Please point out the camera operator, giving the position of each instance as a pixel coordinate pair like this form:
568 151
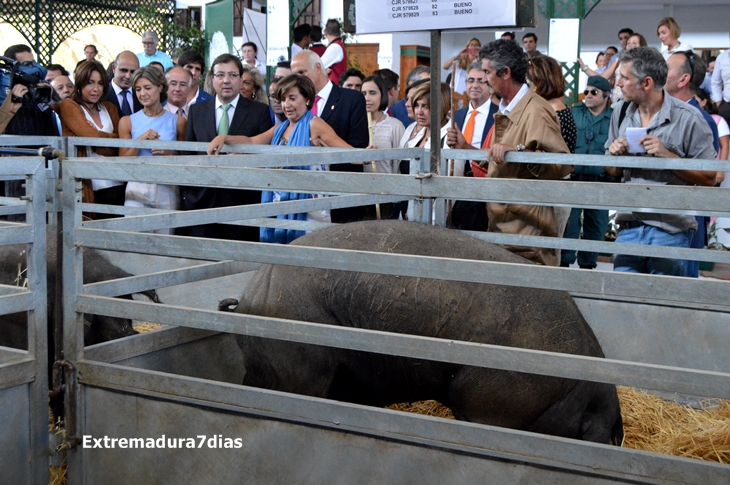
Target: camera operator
25 115
8 109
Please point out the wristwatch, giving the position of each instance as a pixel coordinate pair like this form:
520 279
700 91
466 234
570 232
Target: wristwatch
521 147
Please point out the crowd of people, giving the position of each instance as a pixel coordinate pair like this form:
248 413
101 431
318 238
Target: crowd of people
515 103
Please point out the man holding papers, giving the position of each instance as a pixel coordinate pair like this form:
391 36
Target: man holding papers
649 122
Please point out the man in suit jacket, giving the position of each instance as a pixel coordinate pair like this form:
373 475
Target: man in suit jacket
342 109
121 87
195 63
247 118
466 214
481 107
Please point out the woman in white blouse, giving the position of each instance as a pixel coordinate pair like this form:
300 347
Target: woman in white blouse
668 32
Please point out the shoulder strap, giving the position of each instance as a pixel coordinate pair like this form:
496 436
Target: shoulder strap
622 114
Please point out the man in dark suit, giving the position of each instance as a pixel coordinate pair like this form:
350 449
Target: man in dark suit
206 120
121 93
342 109
482 106
474 122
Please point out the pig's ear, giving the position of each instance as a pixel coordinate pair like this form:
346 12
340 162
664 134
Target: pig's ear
227 305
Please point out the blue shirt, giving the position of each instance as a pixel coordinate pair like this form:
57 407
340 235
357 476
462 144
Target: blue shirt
158 56
713 126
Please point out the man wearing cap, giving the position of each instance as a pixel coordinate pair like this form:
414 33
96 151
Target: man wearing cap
592 120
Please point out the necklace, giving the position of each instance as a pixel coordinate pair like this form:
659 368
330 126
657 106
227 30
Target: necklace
381 117
154 115
90 107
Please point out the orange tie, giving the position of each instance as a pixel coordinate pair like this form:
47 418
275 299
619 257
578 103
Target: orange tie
469 129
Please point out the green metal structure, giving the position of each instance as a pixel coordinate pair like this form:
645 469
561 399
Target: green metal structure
47 23
568 9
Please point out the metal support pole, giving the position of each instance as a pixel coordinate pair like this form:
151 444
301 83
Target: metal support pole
434 101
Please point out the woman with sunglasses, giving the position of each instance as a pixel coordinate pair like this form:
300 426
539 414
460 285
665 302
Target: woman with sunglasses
593 121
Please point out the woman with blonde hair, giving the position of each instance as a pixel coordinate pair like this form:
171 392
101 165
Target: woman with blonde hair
464 58
668 32
252 84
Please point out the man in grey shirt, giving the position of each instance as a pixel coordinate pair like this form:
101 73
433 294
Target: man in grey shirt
674 130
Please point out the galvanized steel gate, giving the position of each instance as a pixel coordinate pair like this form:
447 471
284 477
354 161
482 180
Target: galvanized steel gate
288 438
23 373
644 324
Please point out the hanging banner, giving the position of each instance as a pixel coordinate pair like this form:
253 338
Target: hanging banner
383 16
277 31
219 28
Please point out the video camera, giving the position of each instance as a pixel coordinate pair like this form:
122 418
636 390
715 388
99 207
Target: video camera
29 74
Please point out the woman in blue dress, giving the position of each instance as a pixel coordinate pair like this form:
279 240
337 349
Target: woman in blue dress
153 122
301 128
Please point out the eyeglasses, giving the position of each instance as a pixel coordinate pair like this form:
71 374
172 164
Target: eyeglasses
148 43
690 55
221 75
594 92
472 80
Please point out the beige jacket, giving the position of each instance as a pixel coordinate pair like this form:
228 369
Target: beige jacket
533 123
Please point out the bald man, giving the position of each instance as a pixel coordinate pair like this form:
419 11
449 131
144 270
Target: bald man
121 94
342 109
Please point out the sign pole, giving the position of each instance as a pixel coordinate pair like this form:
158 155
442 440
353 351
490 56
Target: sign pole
435 100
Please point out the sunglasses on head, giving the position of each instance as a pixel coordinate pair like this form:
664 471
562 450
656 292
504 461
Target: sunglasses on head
691 58
594 92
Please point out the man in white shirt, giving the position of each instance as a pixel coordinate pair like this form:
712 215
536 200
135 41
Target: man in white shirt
721 85
301 38
334 58
179 85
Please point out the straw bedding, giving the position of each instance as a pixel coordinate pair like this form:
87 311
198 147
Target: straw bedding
650 424
144 327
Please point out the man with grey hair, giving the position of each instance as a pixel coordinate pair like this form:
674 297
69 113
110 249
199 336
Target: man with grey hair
342 109
673 129
151 54
399 110
525 123
179 84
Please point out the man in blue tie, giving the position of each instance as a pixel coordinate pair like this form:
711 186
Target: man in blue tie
121 93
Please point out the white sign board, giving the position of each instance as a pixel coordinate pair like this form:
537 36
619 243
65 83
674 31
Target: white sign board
563 39
382 16
277 31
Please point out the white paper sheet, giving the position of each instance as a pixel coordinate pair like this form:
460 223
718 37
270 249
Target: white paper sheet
633 135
